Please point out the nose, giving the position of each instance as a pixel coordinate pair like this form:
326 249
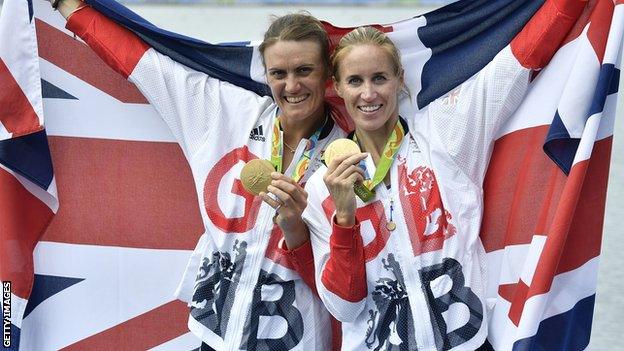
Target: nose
292 84
368 93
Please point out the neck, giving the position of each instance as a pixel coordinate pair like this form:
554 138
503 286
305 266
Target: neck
294 131
375 141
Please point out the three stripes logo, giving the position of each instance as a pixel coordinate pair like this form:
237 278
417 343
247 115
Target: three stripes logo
257 134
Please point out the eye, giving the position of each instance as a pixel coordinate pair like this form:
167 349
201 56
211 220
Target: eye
277 74
304 71
379 78
354 81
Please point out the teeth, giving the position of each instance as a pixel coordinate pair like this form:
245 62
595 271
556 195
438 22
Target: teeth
295 99
369 108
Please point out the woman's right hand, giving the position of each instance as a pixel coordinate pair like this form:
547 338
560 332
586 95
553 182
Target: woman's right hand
66 7
342 173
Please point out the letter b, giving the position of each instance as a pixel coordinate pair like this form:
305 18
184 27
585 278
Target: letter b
459 293
282 307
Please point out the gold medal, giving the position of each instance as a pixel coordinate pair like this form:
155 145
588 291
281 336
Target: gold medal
256 176
340 147
391 226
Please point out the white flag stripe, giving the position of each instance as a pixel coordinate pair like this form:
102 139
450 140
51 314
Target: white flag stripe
607 123
16 51
414 54
588 138
4 134
540 104
53 18
578 93
602 123
508 264
567 290
256 69
103 117
112 276
532 258
500 329
616 32
18 306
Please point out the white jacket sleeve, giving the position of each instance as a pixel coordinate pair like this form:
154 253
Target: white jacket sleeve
469 117
196 107
338 255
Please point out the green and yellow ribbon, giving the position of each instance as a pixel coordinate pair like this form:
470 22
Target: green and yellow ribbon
277 149
365 190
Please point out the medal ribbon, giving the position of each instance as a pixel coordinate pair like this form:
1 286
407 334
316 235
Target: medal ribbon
365 190
277 149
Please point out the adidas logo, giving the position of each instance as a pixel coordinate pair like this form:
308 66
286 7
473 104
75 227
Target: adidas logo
257 134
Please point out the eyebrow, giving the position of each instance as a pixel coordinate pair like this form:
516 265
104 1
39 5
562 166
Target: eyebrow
305 65
380 73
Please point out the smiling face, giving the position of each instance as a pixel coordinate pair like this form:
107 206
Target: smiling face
296 74
369 85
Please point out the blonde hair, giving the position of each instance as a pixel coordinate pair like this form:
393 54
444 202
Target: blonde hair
365 36
298 27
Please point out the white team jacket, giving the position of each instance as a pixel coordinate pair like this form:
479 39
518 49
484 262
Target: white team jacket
242 288
422 286
424 282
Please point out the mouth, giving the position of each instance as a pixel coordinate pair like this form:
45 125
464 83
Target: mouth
369 108
296 99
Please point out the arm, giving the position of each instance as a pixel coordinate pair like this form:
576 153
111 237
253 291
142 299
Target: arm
303 259
193 105
67 7
290 199
338 255
344 273
468 119
542 36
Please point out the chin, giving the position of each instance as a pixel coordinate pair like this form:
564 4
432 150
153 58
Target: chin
297 114
369 125
369 129
300 112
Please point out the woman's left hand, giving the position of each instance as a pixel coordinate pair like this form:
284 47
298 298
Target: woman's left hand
290 199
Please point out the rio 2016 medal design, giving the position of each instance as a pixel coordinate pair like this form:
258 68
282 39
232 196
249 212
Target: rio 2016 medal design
256 176
340 147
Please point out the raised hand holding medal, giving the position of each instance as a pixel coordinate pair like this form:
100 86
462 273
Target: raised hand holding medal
283 191
354 175
342 157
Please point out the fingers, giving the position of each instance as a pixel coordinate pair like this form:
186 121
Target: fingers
352 171
345 170
355 177
287 190
342 162
271 200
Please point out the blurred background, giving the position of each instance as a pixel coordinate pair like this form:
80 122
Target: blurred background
238 20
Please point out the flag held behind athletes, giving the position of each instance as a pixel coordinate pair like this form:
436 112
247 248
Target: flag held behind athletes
27 190
542 227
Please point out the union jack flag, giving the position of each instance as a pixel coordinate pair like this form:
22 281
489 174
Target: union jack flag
107 262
